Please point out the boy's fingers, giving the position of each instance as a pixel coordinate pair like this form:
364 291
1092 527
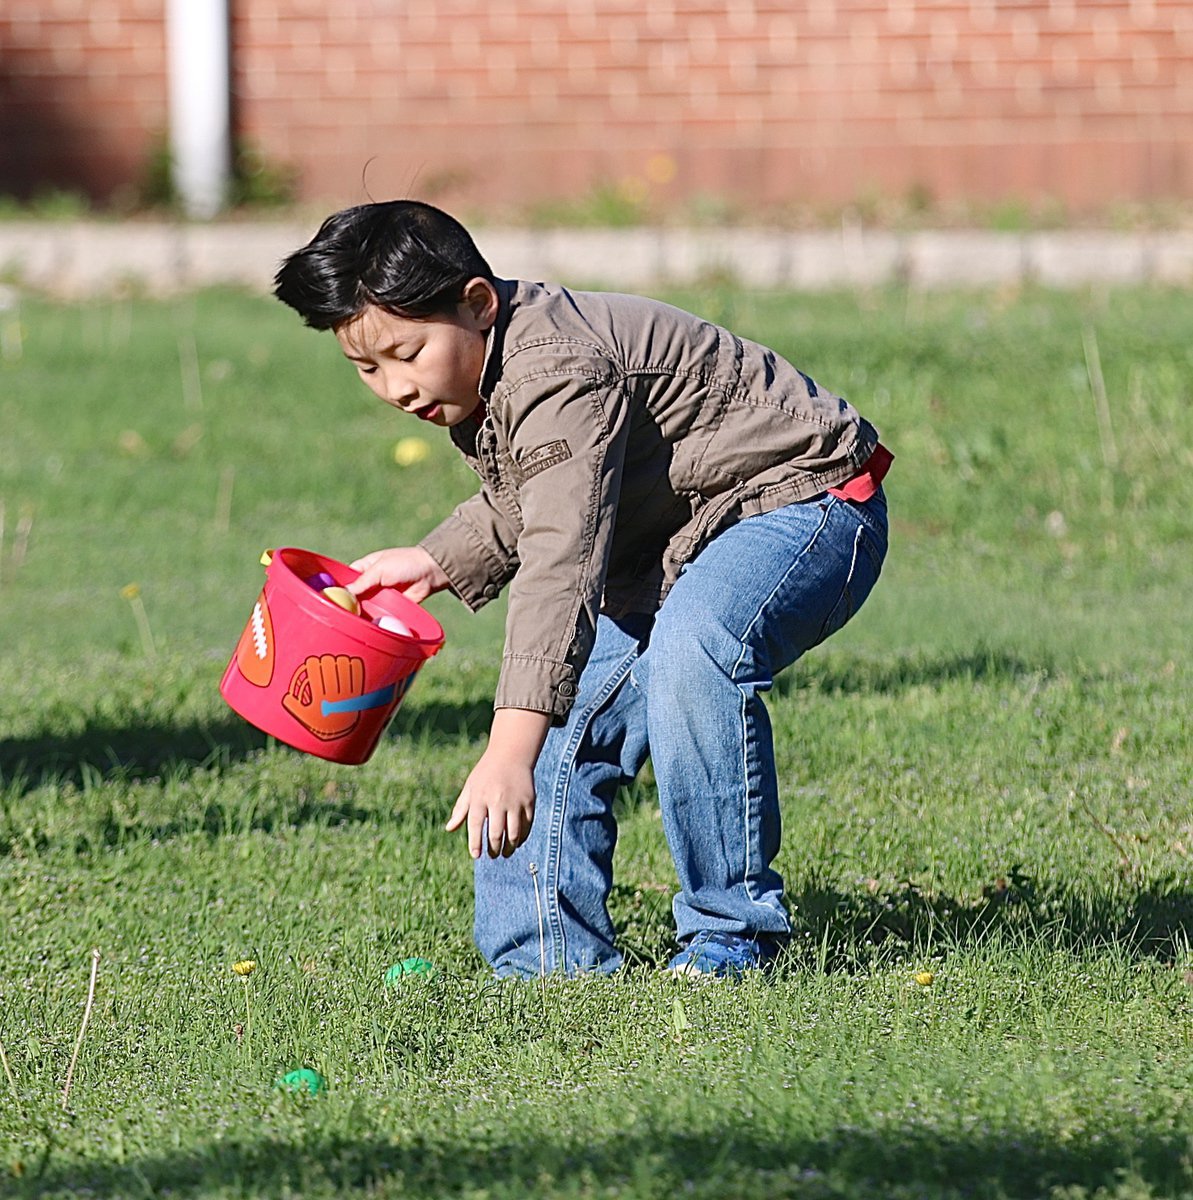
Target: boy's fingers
513 832
496 836
366 581
476 832
458 814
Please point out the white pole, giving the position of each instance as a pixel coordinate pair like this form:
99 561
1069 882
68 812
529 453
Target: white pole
200 106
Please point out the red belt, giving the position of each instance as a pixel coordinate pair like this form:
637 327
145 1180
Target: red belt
868 480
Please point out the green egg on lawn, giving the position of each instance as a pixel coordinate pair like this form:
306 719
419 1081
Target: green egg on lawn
303 1080
408 968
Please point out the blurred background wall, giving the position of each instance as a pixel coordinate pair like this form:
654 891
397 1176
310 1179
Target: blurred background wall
753 107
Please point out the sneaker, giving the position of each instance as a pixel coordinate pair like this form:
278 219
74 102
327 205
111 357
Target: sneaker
709 954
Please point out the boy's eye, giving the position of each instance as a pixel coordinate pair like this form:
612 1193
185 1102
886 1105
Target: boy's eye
409 357
366 370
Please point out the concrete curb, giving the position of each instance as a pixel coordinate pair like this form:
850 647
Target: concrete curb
76 260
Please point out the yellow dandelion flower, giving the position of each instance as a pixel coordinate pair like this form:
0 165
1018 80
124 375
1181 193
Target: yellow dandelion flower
410 450
131 591
245 967
924 978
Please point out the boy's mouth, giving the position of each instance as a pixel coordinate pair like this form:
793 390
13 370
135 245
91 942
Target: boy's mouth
429 413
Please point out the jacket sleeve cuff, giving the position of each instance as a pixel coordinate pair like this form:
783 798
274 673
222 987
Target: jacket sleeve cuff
539 684
475 573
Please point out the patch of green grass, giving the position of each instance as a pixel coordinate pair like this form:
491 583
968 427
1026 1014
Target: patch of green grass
605 206
987 831
52 204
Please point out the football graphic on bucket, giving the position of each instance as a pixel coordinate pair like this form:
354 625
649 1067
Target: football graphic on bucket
255 651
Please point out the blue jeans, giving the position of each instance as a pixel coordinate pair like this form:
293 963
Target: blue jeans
684 686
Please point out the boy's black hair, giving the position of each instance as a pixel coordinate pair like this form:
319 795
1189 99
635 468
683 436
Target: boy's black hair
403 256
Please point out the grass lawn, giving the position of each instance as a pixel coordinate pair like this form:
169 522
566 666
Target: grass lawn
986 777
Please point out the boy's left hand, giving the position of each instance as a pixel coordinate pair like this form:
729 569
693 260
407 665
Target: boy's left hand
500 792
500 788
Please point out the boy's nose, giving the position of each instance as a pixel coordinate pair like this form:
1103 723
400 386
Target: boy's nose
400 393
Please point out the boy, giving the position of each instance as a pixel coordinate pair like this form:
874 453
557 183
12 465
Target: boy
678 513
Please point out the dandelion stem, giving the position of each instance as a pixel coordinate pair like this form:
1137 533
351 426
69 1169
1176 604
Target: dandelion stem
223 500
74 1058
1097 386
121 326
12 1083
142 619
243 969
248 1013
1125 860
20 539
538 904
188 365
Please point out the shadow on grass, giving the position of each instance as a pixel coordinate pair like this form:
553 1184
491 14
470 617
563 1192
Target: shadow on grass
860 676
903 1161
436 720
838 931
156 751
214 821
102 750
107 825
844 931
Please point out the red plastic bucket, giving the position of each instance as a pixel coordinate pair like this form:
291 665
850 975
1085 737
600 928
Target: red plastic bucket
317 677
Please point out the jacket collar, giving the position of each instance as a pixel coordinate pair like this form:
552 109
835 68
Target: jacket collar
491 370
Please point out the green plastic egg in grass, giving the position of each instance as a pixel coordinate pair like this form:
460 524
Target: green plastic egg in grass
409 968
303 1080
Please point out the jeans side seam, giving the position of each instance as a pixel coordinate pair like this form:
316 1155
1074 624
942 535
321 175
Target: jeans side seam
560 794
746 741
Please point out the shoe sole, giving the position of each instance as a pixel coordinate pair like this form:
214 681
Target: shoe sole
690 970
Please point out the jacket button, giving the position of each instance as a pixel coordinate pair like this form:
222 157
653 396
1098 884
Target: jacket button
491 591
567 689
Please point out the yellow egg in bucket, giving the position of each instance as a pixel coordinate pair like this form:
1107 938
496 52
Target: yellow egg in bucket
344 598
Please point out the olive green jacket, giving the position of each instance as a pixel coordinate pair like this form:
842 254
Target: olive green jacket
619 436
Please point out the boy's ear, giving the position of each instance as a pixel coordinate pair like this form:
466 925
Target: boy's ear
480 296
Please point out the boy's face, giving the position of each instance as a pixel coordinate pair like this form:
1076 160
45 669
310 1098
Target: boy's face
429 367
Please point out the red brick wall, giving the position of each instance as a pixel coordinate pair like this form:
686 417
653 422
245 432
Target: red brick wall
82 94
762 102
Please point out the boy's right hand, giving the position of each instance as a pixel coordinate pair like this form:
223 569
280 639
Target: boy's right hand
409 568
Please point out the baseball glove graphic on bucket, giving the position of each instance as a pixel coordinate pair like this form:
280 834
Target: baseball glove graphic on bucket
317 676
